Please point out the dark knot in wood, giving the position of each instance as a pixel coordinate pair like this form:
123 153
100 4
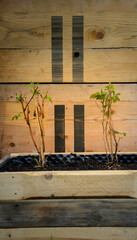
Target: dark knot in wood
48 176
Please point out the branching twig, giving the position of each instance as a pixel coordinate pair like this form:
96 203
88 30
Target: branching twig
39 114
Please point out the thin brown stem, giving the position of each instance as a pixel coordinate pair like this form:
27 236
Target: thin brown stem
41 127
28 123
31 98
104 139
110 123
106 135
40 133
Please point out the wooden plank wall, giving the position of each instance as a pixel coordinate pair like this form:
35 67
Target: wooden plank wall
15 134
27 33
103 49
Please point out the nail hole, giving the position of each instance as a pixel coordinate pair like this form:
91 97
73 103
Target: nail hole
76 54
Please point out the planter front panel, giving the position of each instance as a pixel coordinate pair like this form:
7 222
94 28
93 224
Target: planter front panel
69 213
24 185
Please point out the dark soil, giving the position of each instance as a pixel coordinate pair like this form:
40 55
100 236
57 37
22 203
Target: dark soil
68 162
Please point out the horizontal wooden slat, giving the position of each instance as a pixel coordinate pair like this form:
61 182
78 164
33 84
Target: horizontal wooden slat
25 65
101 29
67 6
80 93
84 233
18 186
99 65
15 134
69 213
110 65
15 138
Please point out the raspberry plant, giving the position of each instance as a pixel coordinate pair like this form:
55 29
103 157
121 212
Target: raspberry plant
38 100
111 137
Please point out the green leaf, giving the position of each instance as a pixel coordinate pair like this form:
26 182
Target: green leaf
46 97
124 134
112 88
107 105
107 113
32 88
19 98
115 99
94 95
116 132
16 116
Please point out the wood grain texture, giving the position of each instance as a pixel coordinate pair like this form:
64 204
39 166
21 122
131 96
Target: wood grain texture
100 65
61 92
84 233
69 213
15 134
101 29
67 6
26 185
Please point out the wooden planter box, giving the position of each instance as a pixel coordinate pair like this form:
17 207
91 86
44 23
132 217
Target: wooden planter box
68 205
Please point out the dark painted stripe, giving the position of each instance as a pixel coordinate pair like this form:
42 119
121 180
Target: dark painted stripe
57 48
79 128
59 128
77 47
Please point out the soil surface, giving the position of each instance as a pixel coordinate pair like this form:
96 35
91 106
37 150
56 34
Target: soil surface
68 162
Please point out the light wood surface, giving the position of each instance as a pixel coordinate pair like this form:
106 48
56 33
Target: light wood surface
84 233
100 65
109 41
67 6
18 186
101 29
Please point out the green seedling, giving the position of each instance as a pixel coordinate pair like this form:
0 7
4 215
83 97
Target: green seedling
111 137
38 99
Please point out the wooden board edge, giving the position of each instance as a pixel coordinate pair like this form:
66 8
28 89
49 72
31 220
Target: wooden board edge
5 159
47 153
85 233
